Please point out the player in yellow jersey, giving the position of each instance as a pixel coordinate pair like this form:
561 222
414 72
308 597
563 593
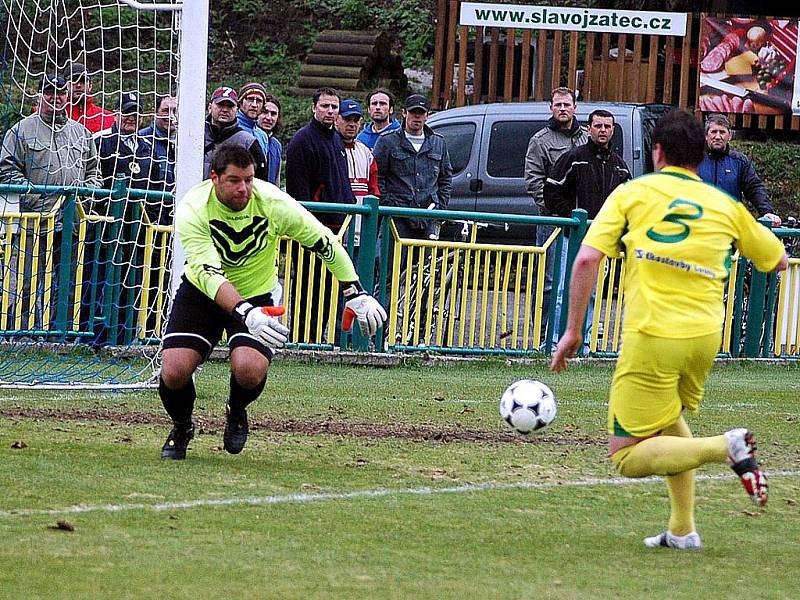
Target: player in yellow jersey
230 227
678 235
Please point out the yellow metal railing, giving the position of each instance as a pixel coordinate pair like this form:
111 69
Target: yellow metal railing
787 321
28 240
466 294
312 302
30 259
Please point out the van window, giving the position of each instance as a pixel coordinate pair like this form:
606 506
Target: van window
616 142
459 138
508 145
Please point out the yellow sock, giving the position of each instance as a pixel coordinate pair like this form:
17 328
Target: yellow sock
674 454
681 501
669 455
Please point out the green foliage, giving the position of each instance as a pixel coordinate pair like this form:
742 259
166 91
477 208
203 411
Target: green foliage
778 164
413 23
271 63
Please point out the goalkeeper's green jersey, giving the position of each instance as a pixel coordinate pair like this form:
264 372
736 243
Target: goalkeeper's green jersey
241 247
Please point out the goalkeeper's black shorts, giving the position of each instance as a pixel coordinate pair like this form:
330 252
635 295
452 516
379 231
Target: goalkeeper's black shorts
197 322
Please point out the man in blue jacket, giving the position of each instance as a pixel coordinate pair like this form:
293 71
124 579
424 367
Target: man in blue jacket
731 170
380 103
162 136
252 101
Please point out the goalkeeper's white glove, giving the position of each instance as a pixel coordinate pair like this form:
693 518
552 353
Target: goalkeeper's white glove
363 308
266 329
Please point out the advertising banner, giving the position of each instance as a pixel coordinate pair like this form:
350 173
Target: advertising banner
522 16
749 65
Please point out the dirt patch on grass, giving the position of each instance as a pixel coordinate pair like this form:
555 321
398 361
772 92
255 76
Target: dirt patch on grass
327 426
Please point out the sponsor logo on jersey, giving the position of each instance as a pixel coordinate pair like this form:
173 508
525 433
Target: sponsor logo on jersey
236 246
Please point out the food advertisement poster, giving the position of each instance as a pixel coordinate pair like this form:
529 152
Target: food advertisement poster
749 65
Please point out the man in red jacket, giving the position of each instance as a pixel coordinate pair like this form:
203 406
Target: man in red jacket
81 106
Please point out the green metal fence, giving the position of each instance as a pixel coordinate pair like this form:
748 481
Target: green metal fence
459 297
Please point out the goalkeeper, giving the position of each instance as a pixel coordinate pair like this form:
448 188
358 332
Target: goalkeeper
677 233
229 227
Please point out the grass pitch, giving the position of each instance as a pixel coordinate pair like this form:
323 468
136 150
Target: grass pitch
383 483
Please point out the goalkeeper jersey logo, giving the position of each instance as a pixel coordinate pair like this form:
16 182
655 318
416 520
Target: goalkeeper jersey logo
235 247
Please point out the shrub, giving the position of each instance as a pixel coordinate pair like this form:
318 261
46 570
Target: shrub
778 164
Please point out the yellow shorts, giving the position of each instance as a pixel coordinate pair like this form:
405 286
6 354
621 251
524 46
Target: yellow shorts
655 378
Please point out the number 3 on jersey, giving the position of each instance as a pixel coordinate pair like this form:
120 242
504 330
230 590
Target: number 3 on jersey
678 218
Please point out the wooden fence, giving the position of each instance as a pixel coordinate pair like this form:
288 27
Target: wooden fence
476 65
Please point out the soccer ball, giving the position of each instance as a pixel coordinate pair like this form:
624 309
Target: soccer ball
528 405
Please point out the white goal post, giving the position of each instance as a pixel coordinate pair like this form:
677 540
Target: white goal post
84 292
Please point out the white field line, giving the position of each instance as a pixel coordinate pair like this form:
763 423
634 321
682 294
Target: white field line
355 495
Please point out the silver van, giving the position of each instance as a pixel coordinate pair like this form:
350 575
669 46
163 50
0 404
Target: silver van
488 142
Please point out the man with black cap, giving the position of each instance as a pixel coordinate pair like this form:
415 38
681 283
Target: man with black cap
221 127
123 153
81 107
126 155
414 168
45 148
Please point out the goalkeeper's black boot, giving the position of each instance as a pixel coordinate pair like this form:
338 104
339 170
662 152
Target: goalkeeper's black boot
236 430
177 442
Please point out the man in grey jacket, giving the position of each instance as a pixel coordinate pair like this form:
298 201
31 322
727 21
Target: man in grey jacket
414 168
546 146
45 148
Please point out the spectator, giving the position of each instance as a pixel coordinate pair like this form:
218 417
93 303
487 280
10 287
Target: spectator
583 177
162 136
731 170
81 106
121 150
221 127
316 171
252 98
123 154
361 166
380 104
45 148
269 121
414 168
544 148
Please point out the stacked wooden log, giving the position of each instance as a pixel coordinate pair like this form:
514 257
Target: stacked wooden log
351 62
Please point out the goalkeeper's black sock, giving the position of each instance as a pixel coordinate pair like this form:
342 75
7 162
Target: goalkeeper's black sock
240 396
179 403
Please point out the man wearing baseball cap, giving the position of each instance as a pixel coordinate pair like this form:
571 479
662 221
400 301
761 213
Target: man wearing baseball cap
221 127
81 107
361 165
122 152
44 148
414 168
125 155
252 98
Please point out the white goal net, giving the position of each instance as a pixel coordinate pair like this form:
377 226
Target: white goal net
88 99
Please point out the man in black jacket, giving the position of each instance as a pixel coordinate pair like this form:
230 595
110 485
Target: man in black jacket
583 177
316 171
222 127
